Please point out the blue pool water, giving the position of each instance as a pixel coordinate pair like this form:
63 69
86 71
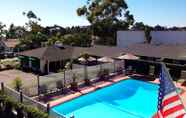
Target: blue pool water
126 99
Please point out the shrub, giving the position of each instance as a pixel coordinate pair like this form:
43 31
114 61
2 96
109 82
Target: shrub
103 74
23 111
119 70
17 83
10 63
74 84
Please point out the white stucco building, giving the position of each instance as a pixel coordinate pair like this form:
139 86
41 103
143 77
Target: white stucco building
168 37
126 38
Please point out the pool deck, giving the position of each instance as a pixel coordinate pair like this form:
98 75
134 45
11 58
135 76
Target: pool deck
94 87
88 89
179 85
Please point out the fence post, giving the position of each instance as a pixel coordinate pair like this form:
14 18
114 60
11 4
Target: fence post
21 96
38 85
48 108
2 87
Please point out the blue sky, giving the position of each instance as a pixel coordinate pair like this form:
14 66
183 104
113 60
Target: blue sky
63 12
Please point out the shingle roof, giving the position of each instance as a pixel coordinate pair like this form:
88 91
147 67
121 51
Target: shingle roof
53 53
11 43
162 51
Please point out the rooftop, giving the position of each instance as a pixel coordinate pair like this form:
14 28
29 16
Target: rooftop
161 51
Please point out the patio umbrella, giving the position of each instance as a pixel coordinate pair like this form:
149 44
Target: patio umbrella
89 59
82 59
128 56
106 60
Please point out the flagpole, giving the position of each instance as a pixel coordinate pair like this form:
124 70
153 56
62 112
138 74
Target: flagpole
169 77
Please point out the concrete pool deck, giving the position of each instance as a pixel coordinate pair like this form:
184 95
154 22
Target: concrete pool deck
87 89
179 85
94 87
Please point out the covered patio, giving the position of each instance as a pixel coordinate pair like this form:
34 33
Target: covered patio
44 60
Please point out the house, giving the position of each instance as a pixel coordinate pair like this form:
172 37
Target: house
53 58
7 47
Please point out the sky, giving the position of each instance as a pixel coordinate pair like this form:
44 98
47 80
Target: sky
63 12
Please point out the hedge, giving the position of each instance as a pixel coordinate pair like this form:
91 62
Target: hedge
12 109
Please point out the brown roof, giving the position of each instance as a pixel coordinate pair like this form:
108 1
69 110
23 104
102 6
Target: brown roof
161 51
11 43
51 53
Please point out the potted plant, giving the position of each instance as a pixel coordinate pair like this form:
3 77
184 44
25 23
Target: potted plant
103 74
17 83
87 82
74 84
119 70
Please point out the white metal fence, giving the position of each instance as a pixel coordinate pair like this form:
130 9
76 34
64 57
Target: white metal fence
51 81
19 97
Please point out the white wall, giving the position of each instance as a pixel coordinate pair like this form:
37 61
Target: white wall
42 66
125 38
168 37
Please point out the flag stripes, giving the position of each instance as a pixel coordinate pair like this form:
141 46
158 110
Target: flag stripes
169 101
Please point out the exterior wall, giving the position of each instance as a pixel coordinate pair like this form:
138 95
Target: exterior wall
125 38
168 37
42 66
2 46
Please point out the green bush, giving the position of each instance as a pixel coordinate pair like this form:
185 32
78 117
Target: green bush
74 84
8 105
17 83
103 74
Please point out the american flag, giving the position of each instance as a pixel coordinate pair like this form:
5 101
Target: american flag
169 102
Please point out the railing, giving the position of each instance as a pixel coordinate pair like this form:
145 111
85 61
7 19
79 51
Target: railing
50 82
20 97
54 114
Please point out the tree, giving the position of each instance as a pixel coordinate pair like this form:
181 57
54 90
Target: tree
34 36
17 83
2 30
111 12
76 39
160 28
53 39
138 26
99 10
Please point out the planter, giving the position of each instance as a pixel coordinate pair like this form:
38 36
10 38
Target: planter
87 82
74 86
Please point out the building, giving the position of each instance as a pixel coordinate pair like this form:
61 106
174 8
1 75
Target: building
52 58
168 37
7 47
125 38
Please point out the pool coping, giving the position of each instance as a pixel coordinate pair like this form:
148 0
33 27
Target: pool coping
87 90
114 80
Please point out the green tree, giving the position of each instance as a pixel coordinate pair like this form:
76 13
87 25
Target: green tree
107 14
15 32
2 30
147 29
34 37
76 39
17 83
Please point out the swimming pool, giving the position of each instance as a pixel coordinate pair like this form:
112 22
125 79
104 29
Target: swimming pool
126 99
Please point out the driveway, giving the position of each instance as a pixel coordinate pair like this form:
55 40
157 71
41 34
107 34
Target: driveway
8 76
